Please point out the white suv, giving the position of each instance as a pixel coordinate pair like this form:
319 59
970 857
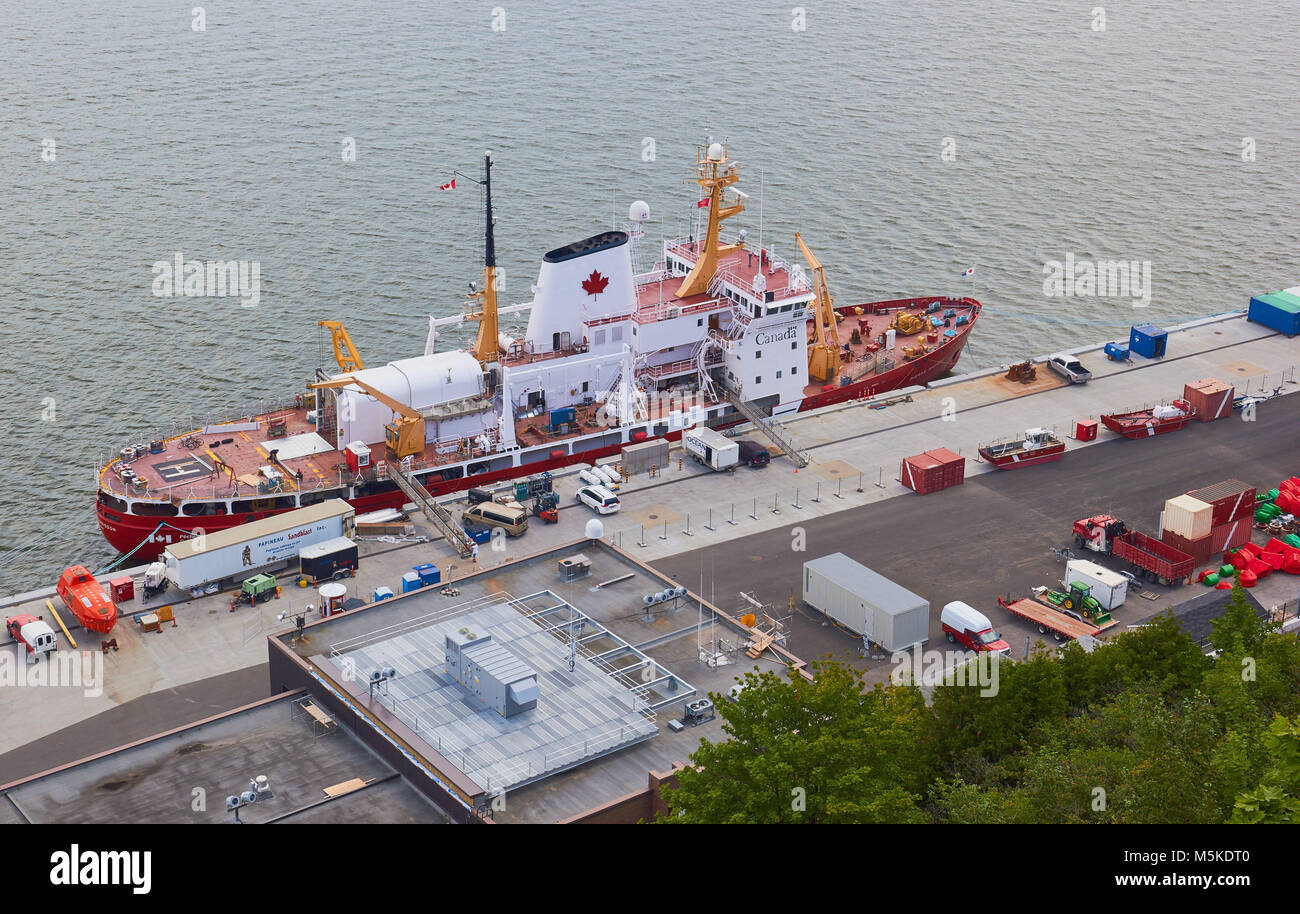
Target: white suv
599 499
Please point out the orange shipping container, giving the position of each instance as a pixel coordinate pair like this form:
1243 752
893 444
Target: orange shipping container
1210 397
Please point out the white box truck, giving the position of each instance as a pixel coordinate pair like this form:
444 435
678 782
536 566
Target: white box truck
243 551
711 448
1107 587
866 603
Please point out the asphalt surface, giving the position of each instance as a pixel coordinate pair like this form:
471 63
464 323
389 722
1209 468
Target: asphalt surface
136 719
993 535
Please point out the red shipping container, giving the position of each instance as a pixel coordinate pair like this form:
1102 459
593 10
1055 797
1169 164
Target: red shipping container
953 466
1200 550
1231 499
1085 429
1210 397
920 474
1230 535
932 471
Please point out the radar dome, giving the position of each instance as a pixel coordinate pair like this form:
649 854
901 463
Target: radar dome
638 211
595 529
715 152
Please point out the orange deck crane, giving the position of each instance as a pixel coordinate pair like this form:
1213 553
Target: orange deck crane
824 350
344 352
405 434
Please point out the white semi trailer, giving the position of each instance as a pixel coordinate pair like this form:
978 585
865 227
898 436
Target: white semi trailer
711 448
245 550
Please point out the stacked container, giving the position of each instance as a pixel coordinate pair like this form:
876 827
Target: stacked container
1188 526
1232 504
1210 397
932 471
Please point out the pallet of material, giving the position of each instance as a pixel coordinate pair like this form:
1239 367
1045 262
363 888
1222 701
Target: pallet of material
397 528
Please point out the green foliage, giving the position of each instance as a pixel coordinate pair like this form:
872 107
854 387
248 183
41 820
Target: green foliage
1276 800
1144 729
830 750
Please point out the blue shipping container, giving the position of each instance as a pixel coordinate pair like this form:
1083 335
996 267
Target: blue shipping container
1147 340
1278 311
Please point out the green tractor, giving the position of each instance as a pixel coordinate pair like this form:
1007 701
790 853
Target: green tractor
1077 598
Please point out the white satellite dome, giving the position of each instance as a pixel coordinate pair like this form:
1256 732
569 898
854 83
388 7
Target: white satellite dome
639 211
715 152
595 529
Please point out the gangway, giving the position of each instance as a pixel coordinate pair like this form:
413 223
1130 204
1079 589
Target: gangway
769 428
439 516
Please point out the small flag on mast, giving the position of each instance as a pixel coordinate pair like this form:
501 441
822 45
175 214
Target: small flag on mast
450 186
703 203
970 272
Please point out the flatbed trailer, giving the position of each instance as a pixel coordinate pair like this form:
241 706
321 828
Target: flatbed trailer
1061 626
1155 559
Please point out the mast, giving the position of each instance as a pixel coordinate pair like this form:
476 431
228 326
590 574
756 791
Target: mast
714 174
487 347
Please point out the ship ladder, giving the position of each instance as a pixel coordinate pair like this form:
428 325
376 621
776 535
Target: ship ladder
439 516
769 428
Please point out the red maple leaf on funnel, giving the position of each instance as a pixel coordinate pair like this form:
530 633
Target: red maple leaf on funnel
595 283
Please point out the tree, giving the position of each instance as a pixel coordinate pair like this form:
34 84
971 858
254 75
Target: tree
1277 798
826 751
1240 630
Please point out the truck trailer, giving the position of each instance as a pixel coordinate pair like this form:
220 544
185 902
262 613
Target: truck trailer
328 560
866 603
710 448
240 552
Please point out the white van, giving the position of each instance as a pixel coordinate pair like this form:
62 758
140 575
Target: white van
599 499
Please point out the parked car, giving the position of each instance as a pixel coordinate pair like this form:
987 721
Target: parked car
753 453
599 499
513 519
1070 368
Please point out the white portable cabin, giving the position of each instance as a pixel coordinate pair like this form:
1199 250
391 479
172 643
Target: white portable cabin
866 603
1109 588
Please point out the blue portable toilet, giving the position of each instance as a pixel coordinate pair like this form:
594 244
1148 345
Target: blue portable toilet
429 574
410 581
1147 340
383 593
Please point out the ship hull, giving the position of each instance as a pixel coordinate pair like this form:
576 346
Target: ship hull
1144 429
1026 459
145 537
915 373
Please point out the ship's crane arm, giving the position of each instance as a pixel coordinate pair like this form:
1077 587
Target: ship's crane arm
344 352
824 354
405 435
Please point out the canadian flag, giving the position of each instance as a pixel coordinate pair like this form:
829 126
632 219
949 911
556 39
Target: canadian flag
451 186
703 203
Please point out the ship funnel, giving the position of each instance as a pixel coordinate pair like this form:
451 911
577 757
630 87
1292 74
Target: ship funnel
588 280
